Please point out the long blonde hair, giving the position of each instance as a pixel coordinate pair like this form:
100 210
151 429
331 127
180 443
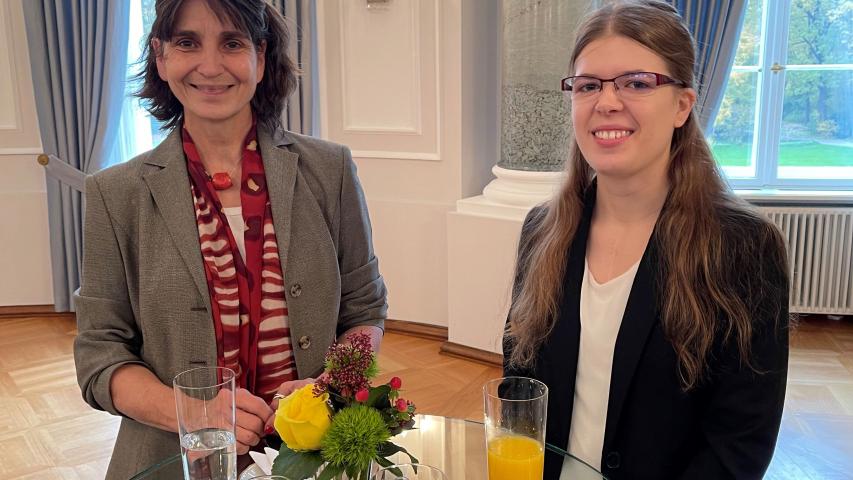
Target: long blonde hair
703 288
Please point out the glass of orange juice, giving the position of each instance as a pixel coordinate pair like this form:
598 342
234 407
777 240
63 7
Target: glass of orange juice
516 410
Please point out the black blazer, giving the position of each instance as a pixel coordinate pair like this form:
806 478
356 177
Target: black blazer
726 428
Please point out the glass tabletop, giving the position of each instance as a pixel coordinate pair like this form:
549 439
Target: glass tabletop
455 446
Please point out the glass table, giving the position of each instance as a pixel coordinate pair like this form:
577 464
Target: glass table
455 446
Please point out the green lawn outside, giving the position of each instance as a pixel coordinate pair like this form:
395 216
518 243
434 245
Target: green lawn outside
794 154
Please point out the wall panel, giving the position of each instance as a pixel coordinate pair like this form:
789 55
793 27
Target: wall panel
18 122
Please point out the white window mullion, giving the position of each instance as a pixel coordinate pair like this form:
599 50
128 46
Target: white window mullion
772 91
761 99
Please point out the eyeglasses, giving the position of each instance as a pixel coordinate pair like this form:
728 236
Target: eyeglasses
629 85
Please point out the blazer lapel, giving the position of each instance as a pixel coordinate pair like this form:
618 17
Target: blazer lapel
641 314
170 187
280 166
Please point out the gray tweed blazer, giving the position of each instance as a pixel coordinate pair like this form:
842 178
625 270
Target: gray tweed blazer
144 297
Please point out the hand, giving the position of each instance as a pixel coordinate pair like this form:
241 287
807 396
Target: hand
287 388
252 416
284 390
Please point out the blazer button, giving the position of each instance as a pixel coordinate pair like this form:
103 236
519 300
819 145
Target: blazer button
296 290
613 460
304 342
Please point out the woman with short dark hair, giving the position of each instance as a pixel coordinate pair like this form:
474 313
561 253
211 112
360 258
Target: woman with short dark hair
233 243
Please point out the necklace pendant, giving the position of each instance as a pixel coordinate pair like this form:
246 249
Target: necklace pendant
221 181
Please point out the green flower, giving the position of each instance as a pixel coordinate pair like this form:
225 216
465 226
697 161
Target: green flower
354 437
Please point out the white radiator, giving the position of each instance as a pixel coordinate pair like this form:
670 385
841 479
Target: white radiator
820 252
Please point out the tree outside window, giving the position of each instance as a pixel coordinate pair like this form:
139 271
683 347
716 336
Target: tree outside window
786 119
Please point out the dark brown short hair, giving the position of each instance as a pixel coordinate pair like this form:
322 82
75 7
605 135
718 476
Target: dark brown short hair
261 22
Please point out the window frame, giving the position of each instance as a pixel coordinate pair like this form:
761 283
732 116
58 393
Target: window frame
769 104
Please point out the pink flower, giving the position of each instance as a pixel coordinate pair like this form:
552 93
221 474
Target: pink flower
395 383
348 366
362 395
402 405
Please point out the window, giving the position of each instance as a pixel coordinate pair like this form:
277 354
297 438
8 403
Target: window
138 130
786 119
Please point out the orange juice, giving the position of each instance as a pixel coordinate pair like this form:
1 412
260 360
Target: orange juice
515 457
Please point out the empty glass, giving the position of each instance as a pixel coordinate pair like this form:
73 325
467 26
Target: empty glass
409 471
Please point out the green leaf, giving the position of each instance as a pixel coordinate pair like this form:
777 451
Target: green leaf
296 465
377 394
411 457
386 449
387 463
372 369
337 400
357 474
330 472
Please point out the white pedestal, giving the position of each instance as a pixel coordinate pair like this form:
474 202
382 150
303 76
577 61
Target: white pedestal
521 188
480 261
482 243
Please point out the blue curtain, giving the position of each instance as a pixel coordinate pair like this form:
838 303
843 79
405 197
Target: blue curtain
301 115
716 26
78 57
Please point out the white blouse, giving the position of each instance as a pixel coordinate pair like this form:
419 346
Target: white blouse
602 306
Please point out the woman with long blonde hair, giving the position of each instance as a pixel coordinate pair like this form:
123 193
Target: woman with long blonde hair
650 300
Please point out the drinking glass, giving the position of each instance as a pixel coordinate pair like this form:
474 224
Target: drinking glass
204 398
516 410
409 471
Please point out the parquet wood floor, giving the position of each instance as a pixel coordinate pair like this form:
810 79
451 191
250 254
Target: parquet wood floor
47 432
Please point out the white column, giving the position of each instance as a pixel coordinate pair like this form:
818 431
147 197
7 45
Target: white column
482 233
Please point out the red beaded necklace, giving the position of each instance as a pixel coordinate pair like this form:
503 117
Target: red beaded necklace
222 180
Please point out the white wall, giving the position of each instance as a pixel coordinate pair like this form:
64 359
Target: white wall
391 82
25 277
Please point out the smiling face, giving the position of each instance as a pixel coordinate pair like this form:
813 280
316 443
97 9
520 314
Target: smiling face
621 137
211 67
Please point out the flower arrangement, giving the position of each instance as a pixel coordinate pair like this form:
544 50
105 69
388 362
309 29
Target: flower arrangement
341 424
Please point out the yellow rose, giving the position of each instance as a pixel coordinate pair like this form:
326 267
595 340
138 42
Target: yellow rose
302 419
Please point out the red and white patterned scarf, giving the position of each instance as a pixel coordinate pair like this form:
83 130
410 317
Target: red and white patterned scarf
246 295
